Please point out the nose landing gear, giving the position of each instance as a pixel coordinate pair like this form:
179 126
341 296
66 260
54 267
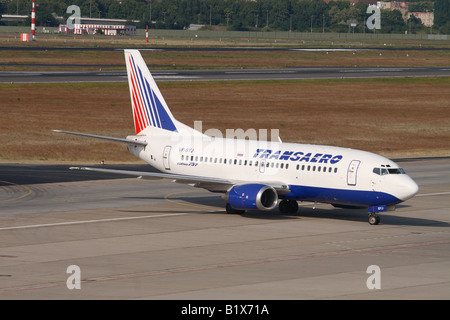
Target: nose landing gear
374 219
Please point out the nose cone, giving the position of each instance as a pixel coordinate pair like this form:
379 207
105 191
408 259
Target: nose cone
407 189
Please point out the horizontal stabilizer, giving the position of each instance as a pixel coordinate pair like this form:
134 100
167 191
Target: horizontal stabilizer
113 139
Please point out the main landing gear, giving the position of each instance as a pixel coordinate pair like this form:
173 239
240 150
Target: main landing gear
288 206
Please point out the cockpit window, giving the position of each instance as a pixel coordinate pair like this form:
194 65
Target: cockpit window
383 171
396 171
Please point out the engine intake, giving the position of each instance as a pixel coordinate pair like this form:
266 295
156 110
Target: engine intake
252 196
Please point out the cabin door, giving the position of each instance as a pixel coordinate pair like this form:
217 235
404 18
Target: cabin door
352 173
166 154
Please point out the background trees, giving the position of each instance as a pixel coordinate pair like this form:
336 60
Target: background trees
259 15
442 15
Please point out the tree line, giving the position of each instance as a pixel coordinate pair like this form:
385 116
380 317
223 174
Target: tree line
242 15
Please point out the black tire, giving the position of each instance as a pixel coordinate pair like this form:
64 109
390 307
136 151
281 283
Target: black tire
284 206
229 209
374 219
293 206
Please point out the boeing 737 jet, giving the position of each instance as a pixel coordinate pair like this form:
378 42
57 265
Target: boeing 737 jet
253 174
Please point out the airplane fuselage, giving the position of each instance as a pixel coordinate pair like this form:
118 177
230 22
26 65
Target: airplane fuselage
327 174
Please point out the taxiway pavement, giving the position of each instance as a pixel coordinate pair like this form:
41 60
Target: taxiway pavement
134 239
295 73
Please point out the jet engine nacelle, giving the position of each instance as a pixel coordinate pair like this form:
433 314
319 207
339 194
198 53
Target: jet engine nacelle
252 196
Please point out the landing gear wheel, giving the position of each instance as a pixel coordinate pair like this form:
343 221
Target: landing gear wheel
293 206
374 219
283 206
288 206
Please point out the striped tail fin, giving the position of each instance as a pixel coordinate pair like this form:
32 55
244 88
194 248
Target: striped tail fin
149 107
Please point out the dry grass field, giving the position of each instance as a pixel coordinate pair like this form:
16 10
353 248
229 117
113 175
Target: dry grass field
394 117
108 60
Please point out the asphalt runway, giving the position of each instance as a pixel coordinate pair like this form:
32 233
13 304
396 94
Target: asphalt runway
296 73
135 239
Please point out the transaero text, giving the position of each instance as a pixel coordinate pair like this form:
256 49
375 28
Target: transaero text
297 156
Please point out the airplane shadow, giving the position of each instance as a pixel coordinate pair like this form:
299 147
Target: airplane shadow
387 218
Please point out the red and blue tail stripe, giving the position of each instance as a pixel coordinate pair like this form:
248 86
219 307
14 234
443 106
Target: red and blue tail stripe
148 110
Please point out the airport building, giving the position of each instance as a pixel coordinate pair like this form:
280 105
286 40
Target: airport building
107 29
427 18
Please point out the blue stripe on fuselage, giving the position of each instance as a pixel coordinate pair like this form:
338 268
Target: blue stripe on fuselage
341 196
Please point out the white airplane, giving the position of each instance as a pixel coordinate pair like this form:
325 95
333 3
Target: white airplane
253 174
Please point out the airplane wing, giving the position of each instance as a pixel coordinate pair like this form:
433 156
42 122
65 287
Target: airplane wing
211 184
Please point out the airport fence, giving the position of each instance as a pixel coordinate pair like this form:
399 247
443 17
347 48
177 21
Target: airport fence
250 35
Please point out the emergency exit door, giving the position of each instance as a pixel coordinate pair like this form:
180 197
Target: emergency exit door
262 166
